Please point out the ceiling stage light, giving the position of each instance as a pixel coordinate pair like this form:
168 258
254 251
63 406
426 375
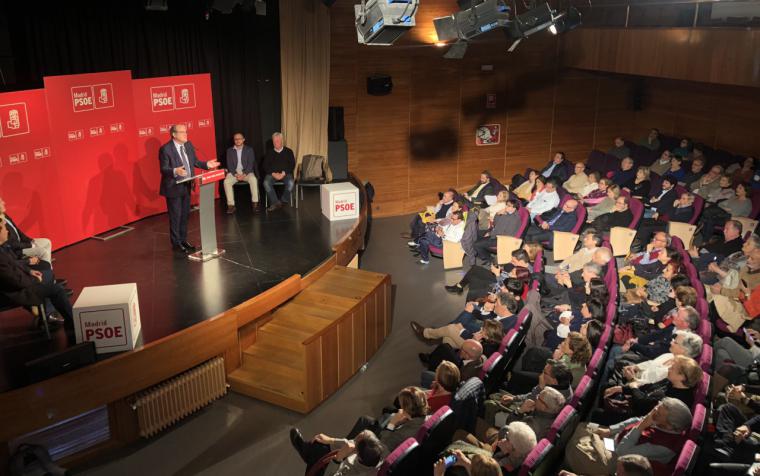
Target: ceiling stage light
382 22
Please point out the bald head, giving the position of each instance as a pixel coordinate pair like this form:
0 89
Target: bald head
570 206
472 349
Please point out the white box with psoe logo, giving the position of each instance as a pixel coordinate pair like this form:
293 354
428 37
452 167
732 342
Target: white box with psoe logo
109 316
340 201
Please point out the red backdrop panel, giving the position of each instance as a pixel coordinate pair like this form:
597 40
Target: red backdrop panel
159 103
93 133
29 165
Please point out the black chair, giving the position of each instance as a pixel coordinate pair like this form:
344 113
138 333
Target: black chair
302 182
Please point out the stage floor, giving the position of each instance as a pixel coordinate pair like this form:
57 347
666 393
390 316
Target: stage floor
175 293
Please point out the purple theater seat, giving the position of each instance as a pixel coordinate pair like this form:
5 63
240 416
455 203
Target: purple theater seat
706 358
321 464
699 204
435 434
596 361
686 460
580 217
524 221
755 197
507 340
402 460
431 423
702 306
490 365
702 390
655 184
535 457
637 209
596 161
560 422
581 391
522 316
698 422
676 243
538 264
604 340
497 186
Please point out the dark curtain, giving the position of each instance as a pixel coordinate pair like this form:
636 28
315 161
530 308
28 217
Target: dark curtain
240 50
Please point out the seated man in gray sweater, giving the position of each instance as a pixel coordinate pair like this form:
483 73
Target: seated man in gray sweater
505 223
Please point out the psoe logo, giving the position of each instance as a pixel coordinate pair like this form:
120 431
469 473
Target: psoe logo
14 119
184 96
96 96
17 158
170 98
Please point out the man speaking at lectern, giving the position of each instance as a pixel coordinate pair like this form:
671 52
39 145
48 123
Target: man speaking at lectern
177 159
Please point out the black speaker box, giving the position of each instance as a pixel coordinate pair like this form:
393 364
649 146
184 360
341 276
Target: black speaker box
379 85
335 124
58 363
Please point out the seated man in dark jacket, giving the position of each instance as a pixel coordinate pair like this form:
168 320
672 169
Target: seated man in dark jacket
620 216
26 287
476 196
558 219
556 168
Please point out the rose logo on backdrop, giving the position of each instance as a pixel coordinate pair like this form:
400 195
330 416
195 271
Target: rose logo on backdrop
96 96
184 96
14 119
169 98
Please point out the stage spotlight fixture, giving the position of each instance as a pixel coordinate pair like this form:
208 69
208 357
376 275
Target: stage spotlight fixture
566 21
476 20
157 5
382 22
537 19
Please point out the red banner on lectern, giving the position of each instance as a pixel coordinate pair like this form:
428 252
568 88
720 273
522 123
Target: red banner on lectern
93 133
158 104
28 165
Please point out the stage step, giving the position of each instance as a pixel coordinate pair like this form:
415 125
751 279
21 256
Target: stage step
290 363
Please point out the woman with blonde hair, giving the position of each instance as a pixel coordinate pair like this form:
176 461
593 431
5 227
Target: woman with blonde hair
447 379
606 205
525 189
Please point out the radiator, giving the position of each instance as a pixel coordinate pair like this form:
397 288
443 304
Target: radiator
166 403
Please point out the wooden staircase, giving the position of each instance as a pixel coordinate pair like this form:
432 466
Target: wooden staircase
316 341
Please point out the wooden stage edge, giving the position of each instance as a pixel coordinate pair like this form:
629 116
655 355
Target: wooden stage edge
359 323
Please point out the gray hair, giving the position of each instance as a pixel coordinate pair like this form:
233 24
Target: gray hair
667 236
755 239
277 134
607 254
679 415
521 437
593 267
553 400
692 317
692 343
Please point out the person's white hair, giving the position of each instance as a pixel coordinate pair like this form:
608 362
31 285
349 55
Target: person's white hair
553 400
679 415
692 317
691 343
593 268
605 254
277 134
521 437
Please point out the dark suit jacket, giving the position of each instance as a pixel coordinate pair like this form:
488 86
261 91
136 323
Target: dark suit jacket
665 205
479 199
15 281
565 223
603 223
392 438
248 158
559 172
169 159
17 240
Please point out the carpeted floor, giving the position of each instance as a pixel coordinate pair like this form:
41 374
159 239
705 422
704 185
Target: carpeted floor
241 436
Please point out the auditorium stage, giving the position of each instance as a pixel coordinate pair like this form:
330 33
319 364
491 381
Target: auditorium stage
175 293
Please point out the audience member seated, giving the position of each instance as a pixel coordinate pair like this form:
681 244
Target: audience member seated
544 199
506 222
743 173
590 242
662 165
634 399
694 173
641 186
525 190
681 210
486 215
723 192
593 184
606 205
619 216
719 269
557 219
538 413
33 250
452 231
361 456
575 352
627 465
651 141
555 375
466 324
697 152
447 379
625 175
713 216
568 321
620 150
728 349
443 209
594 268
476 195
684 148
514 442
676 168
469 359
279 165
481 280
479 465
659 437
23 286
708 183
489 337
728 303
717 249
735 424
648 263
598 194
656 290
684 343
663 199
578 181
556 168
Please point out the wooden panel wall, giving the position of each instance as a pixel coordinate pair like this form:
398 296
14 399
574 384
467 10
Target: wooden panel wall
715 55
420 139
